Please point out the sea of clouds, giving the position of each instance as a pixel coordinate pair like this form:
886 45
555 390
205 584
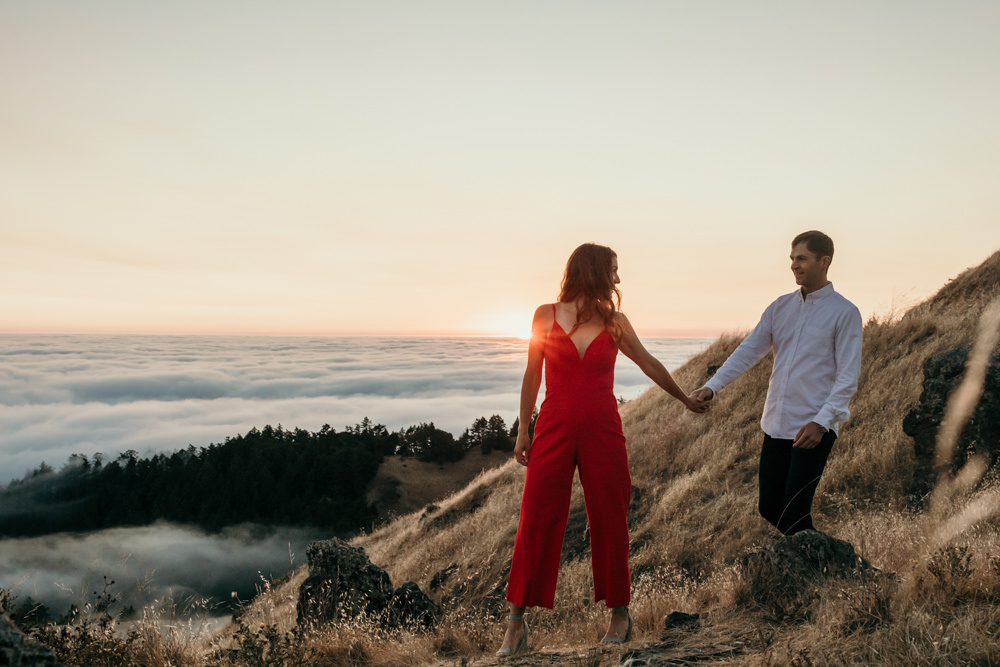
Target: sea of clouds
61 395
162 566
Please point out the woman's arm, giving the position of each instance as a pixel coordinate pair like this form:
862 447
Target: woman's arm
632 347
541 324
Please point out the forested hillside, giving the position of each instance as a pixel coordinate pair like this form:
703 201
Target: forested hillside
267 476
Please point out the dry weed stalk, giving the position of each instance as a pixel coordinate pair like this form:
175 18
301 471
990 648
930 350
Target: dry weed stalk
945 520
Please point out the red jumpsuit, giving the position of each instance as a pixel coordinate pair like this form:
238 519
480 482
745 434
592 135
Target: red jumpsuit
578 426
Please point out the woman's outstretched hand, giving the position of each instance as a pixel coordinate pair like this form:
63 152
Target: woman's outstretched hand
523 446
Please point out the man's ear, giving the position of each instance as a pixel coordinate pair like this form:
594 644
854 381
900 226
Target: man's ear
825 261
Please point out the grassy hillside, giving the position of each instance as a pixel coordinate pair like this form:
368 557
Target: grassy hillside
694 515
693 518
405 484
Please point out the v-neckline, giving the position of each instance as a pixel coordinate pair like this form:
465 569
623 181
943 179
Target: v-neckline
582 355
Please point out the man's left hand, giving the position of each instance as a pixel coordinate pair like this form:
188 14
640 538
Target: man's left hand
809 436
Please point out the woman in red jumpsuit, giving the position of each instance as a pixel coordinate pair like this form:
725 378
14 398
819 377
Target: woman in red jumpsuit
577 340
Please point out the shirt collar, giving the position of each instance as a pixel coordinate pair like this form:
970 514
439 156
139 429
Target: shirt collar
819 294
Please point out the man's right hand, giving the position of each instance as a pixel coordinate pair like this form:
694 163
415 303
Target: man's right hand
702 396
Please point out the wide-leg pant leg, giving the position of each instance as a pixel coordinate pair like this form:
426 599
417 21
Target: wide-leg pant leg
542 525
607 491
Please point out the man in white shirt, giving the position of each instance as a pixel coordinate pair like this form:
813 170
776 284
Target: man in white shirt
816 337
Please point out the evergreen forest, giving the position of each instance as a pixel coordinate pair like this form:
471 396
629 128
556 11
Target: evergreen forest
268 476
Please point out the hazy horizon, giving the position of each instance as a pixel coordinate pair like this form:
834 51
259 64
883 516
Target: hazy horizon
642 333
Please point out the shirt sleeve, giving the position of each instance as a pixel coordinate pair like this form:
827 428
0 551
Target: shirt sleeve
847 357
753 348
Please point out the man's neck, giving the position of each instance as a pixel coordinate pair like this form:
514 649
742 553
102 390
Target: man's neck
807 290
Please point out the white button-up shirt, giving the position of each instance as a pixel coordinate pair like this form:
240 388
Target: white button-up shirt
817 359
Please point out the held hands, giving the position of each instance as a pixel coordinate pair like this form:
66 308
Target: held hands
808 436
700 400
523 446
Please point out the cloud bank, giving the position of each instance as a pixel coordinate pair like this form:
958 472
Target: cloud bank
61 395
151 566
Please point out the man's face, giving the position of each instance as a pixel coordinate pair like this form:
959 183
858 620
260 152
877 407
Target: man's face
808 269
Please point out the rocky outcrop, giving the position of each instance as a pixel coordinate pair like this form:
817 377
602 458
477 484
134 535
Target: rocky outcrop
343 584
784 578
19 650
409 607
981 435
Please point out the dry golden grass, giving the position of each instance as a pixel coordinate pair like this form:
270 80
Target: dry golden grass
694 516
404 484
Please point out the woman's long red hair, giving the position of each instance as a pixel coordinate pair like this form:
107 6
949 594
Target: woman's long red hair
588 278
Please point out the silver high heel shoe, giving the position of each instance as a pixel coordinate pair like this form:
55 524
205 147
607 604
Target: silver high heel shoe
620 640
522 643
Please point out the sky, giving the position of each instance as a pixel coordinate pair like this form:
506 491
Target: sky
407 167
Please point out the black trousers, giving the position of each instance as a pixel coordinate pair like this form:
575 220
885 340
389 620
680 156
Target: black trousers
788 478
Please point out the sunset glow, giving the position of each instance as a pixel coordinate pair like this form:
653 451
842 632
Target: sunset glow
507 323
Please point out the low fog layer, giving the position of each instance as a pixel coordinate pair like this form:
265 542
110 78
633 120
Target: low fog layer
150 565
61 395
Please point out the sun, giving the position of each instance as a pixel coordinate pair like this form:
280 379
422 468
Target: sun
509 323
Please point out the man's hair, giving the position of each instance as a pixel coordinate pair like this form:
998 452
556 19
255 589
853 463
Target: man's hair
817 243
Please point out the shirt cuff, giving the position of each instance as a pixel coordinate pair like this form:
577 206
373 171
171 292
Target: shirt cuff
825 420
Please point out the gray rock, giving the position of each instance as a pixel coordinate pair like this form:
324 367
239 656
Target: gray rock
19 650
784 577
981 435
411 608
343 584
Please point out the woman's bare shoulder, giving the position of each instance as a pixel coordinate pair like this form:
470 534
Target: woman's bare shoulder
621 319
622 329
545 312
543 319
